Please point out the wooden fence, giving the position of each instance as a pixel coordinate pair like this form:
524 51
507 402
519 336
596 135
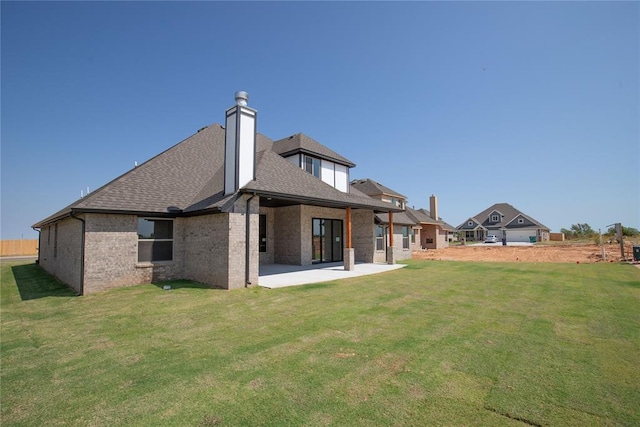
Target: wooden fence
18 247
556 237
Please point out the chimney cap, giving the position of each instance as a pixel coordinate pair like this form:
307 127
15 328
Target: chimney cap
242 97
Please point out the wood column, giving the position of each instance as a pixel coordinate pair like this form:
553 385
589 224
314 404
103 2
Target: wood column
391 229
348 227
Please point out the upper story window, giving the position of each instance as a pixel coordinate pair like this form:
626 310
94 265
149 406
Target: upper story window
520 221
312 165
495 218
155 239
397 202
470 223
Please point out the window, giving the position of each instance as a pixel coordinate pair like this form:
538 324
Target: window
405 237
520 221
470 223
155 239
495 218
312 165
262 234
413 235
379 238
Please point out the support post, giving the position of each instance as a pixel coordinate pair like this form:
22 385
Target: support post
349 256
348 227
390 250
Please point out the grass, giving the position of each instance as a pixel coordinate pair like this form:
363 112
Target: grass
435 343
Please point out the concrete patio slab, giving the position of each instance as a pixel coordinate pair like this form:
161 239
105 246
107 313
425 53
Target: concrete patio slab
281 275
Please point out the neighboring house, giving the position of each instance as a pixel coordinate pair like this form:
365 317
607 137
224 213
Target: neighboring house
502 220
435 233
406 230
212 209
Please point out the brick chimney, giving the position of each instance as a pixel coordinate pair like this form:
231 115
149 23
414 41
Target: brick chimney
240 145
433 207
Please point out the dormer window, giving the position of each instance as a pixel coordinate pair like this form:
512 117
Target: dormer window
495 218
312 165
397 202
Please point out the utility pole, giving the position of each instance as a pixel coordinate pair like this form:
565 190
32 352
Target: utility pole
620 238
619 235
604 253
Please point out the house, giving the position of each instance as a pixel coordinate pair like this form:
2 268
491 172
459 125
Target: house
405 230
212 209
416 228
435 233
503 220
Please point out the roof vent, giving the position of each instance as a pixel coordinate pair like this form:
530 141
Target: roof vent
241 98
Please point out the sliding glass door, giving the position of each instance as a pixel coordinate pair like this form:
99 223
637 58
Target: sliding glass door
326 240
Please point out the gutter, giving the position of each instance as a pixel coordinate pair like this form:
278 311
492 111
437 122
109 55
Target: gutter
81 252
247 251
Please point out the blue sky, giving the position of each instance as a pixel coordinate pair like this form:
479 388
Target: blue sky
535 104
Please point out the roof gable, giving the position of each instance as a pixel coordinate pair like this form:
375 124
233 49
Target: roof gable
373 188
301 143
508 212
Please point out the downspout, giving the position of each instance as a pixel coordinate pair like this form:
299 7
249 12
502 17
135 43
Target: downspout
247 251
81 254
39 237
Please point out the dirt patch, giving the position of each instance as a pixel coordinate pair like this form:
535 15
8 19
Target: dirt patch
580 253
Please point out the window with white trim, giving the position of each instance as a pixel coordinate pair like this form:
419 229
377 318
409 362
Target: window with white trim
470 224
379 238
520 221
155 239
405 237
495 218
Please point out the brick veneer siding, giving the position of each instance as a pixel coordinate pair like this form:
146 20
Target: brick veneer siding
111 254
292 233
363 235
439 237
63 263
399 252
205 249
287 234
215 251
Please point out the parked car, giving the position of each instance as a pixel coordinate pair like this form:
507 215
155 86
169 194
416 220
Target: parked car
491 238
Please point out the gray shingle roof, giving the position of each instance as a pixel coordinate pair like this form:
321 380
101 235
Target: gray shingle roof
423 216
398 218
189 178
507 214
301 143
373 188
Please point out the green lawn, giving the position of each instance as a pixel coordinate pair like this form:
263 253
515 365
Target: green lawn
435 343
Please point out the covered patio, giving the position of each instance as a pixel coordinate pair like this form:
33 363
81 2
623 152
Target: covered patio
282 275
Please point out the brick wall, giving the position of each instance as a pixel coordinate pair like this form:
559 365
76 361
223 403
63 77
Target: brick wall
287 232
60 252
206 248
363 234
111 254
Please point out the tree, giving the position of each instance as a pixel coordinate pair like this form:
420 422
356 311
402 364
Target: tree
626 231
582 230
578 231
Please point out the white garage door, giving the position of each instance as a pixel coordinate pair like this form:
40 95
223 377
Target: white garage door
520 235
